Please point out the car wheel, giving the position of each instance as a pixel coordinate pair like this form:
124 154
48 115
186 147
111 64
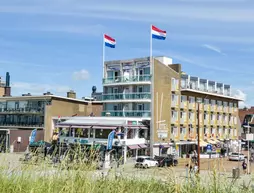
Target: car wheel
156 164
146 166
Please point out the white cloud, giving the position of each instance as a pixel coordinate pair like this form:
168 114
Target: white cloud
81 75
37 88
213 48
139 11
242 96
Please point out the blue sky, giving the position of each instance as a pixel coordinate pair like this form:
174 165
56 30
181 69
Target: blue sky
56 45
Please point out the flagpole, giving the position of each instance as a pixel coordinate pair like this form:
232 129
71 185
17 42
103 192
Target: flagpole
152 124
103 56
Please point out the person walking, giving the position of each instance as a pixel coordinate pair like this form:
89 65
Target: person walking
244 165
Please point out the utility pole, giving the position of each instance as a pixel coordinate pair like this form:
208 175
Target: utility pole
248 149
198 140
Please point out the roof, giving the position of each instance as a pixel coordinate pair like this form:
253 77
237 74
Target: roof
47 97
212 94
99 121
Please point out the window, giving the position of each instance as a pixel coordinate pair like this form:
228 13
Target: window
183 98
205 116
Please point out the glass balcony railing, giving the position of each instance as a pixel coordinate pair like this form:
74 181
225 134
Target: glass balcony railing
129 96
127 113
21 124
122 79
21 110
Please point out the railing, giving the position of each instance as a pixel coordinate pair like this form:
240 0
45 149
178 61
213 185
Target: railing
183 120
213 107
122 79
192 105
127 96
127 113
206 107
182 136
21 110
174 120
225 109
9 123
209 90
183 105
174 103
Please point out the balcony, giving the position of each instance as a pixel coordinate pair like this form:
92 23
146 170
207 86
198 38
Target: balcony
192 121
128 96
219 108
212 122
174 104
206 122
21 124
213 108
183 121
207 107
225 109
183 136
192 106
183 105
133 113
231 110
174 120
26 110
122 79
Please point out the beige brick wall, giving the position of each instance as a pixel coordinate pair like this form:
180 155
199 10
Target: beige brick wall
162 88
1 91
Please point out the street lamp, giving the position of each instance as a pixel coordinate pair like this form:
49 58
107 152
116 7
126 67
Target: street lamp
198 101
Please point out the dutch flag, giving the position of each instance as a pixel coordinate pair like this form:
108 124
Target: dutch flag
158 33
109 41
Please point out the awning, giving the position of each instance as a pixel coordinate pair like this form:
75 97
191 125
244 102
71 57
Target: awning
142 146
203 143
133 147
212 142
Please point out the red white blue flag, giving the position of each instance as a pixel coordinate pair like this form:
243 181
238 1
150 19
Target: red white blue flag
158 33
109 41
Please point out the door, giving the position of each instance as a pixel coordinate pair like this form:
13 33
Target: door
116 75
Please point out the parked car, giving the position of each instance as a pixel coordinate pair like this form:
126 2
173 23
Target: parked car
168 160
145 162
236 157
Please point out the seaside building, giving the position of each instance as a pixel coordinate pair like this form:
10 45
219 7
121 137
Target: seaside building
20 115
170 101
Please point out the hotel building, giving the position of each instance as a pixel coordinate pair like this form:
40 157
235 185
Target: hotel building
171 101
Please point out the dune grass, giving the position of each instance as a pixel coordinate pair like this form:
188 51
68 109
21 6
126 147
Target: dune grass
79 176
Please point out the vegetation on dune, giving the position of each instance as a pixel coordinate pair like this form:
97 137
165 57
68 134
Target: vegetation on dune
42 177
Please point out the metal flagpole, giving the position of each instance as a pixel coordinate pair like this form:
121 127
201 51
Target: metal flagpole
152 89
103 55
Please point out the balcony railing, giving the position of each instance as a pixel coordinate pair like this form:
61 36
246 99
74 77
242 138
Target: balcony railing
213 107
21 110
174 120
122 113
206 107
183 120
127 96
174 103
225 109
21 124
191 105
122 79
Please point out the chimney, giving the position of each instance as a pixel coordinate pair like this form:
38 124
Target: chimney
7 88
71 94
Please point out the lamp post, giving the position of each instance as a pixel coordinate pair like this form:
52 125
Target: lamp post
198 101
